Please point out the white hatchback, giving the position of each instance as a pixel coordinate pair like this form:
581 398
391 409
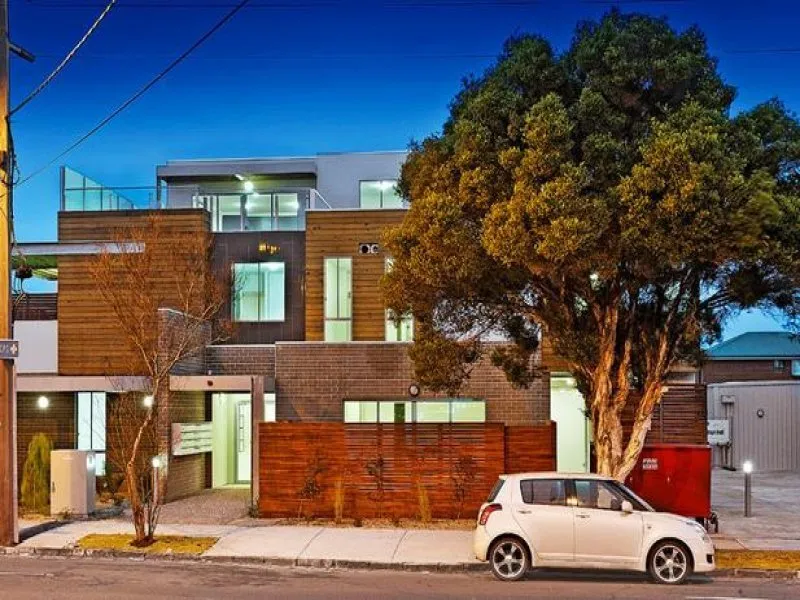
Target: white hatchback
584 521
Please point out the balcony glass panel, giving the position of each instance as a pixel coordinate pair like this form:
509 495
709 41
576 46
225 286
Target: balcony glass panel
229 212
258 212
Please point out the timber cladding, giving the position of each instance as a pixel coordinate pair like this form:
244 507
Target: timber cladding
338 233
390 470
90 339
680 418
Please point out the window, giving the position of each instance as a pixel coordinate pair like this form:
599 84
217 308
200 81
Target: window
268 211
778 365
338 299
598 494
380 194
401 330
796 368
269 407
550 492
92 427
259 291
446 410
496 490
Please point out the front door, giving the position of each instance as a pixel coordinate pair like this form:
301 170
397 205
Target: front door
604 534
540 507
242 439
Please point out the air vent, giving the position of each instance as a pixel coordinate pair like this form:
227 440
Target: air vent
368 248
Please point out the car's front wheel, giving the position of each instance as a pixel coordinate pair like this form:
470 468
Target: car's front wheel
669 563
509 559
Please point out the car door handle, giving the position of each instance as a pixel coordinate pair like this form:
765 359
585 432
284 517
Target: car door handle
523 511
582 516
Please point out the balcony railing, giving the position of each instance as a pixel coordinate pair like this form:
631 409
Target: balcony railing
80 193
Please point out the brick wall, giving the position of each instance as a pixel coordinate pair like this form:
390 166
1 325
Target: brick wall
187 474
720 371
241 360
312 380
57 421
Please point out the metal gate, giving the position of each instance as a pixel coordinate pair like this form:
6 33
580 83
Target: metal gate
764 423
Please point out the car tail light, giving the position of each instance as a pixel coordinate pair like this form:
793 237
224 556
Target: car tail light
490 508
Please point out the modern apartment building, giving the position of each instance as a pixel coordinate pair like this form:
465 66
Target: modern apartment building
311 337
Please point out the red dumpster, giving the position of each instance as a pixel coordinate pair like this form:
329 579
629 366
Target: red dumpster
675 478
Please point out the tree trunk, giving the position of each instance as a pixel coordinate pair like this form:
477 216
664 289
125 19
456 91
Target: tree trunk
137 508
641 426
608 435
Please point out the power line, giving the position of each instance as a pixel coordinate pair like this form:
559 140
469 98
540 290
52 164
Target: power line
66 59
141 92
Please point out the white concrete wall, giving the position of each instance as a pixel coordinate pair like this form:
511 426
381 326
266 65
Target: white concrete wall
338 175
38 346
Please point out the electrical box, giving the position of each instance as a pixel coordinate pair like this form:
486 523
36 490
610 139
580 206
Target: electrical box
72 482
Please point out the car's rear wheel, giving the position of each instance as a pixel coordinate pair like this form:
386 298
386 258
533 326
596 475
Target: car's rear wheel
509 559
669 563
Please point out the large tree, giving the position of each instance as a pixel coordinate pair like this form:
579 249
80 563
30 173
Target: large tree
607 199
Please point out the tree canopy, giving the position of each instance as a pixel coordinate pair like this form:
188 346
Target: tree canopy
607 198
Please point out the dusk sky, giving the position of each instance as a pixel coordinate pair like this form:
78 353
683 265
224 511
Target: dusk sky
293 77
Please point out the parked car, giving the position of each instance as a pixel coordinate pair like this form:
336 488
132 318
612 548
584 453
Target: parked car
584 522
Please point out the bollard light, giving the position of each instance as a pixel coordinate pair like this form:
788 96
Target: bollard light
156 462
747 467
148 402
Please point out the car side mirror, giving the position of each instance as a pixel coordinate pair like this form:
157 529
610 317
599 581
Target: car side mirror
627 507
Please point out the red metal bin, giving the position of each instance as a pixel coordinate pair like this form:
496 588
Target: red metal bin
675 478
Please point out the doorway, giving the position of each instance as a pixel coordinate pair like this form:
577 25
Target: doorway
568 410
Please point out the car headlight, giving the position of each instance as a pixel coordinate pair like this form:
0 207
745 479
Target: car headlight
701 530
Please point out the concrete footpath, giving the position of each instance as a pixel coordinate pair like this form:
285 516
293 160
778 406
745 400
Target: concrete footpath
291 545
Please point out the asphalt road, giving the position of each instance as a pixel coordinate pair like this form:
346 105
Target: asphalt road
84 578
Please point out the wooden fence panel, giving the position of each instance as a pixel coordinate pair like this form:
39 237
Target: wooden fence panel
680 418
383 469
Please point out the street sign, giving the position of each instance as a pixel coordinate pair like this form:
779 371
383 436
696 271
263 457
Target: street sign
719 432
9 349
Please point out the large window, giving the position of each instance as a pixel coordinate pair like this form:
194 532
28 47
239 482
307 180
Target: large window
550 492
380 194
270 211
92 427
259 291
445 410
338 299
398 330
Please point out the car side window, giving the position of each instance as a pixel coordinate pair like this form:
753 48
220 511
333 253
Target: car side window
551 492
592 493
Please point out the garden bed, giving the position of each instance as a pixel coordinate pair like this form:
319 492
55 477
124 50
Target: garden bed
778 560
164 544
444 524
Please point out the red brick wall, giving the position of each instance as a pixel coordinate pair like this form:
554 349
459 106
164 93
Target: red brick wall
57 422
312 380
241 360
720 371
187 474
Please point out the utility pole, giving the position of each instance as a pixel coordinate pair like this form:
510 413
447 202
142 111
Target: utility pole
8 402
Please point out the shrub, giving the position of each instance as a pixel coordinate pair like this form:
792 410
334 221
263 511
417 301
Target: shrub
35 492
423 502
338 500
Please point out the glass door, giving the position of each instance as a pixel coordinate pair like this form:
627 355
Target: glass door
243 439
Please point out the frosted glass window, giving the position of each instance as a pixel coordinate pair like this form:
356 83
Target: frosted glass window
338 273
380 194
468 411
258 212
259 291
395 412
269 408
433 412
91 415
229 213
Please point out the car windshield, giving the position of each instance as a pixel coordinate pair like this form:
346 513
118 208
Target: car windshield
637 502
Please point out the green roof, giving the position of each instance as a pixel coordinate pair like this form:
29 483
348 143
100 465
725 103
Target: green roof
758 345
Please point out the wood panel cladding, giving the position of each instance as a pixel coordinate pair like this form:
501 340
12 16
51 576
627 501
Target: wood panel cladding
680 418
382 469
338 233
90 340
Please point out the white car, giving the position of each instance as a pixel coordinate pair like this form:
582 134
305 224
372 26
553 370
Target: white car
586 522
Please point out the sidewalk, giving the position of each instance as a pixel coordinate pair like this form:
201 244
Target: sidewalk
294 545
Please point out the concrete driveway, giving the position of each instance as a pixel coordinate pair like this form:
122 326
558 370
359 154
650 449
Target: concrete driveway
775 524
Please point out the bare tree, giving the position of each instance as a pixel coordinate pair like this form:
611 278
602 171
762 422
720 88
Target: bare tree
158 283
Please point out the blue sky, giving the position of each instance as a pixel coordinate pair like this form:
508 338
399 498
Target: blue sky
307 76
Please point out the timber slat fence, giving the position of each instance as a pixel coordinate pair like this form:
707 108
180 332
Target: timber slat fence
383 470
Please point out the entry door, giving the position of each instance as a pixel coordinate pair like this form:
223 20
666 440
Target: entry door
243 439
603 533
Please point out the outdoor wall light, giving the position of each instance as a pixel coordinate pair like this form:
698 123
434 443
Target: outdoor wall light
43 402
156 462
249 187
148 402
